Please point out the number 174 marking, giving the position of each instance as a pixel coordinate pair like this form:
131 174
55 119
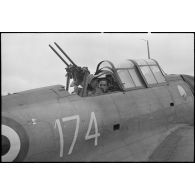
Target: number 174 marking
87 136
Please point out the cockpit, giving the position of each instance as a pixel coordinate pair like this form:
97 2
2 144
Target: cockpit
98 84
125 76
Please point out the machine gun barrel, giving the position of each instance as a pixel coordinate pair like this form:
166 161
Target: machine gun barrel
59 55
74 72
65 54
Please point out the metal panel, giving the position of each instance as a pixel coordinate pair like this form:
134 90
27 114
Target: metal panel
106 116
184 105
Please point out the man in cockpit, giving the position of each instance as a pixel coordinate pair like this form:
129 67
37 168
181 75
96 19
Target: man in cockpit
103 85
93 88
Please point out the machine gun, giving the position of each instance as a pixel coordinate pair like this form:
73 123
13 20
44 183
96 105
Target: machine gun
77 73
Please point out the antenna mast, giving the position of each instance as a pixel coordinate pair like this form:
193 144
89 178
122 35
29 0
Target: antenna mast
148 49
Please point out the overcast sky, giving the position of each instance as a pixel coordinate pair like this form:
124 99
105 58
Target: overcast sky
27 62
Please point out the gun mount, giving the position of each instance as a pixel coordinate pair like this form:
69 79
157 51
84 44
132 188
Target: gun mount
75 72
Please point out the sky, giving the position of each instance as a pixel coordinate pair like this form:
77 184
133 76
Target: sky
27 62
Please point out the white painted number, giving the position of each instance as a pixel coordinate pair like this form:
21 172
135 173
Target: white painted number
87 137
76 131
58 124
97 134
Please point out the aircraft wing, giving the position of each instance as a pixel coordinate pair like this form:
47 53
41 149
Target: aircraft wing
178 146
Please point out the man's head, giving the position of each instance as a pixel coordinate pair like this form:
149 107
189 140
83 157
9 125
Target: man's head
103 84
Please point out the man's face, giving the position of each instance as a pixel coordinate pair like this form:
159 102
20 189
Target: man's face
104 85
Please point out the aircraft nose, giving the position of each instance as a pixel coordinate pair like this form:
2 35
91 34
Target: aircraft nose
14 141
